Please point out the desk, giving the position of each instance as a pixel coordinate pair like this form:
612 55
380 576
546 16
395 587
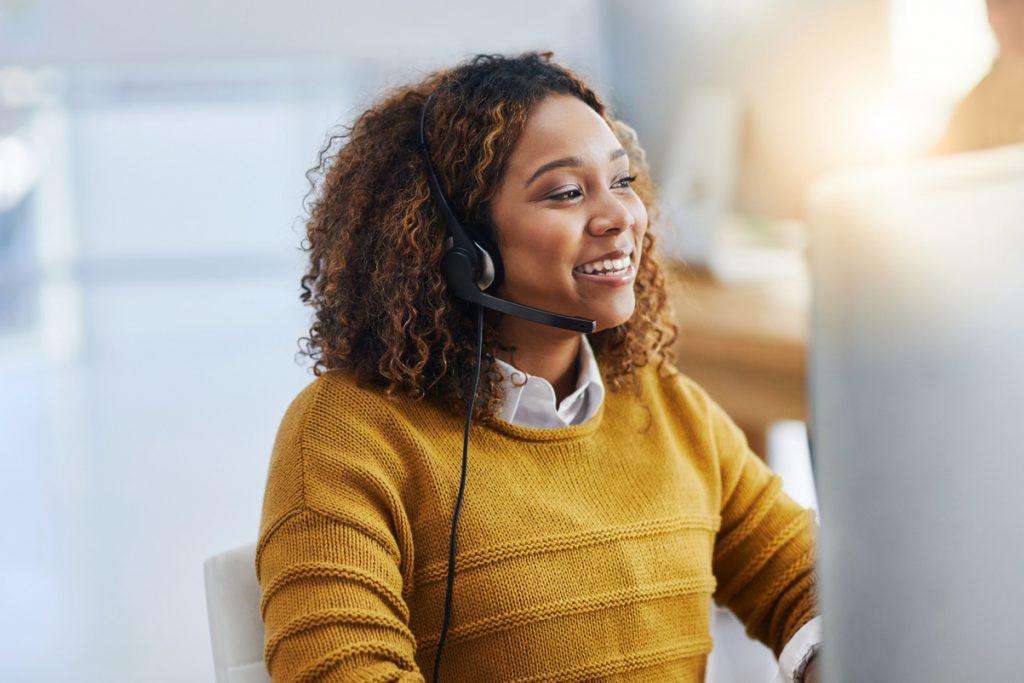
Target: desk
746 344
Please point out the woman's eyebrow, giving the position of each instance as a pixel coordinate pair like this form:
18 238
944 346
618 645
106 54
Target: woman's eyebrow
568 162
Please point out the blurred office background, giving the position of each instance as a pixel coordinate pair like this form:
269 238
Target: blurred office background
152 161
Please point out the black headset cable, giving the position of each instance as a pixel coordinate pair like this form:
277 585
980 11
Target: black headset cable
462 489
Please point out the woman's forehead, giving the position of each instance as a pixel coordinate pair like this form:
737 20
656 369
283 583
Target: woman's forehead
562 126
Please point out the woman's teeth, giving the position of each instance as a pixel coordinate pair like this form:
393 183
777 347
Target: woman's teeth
616 266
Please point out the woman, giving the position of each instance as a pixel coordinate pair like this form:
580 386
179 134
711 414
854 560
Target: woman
608 498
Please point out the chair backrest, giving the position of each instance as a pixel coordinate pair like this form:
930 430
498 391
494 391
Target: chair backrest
236 627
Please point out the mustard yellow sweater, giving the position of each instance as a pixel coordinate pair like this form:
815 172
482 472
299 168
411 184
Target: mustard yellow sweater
586 552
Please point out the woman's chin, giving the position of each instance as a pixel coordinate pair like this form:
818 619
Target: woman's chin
613 318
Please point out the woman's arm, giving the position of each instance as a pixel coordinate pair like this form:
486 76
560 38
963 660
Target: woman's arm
332 604
329 560
764 550
811 672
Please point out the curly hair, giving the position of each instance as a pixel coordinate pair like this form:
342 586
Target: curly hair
375 240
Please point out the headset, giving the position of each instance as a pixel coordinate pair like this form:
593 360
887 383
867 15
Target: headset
472 267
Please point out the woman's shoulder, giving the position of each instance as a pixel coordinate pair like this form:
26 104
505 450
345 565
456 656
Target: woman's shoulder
676 397
338 392
667 382
332 403
338 404
681 400
334 427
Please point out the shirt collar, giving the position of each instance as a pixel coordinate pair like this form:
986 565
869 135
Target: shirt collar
530 400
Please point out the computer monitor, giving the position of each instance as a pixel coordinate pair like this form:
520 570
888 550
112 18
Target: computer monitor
917 419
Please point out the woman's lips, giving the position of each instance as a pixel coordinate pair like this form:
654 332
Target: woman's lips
619 255
608 280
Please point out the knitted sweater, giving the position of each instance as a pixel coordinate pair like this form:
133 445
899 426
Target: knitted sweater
584 552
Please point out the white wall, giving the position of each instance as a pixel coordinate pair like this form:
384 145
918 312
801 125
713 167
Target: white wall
403 31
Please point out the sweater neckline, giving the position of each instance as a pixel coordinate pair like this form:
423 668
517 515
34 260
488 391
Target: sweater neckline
548 434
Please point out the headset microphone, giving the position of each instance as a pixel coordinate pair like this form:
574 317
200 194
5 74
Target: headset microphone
456 264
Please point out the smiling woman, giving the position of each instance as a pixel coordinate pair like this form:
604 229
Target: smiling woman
571 234
386 313
597 526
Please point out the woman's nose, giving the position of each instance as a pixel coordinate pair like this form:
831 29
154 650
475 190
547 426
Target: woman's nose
610 213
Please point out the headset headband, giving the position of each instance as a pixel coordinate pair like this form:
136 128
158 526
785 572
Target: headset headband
459 236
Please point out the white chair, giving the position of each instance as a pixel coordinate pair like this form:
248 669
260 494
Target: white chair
233 605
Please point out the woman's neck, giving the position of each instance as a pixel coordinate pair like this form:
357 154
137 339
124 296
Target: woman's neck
541 351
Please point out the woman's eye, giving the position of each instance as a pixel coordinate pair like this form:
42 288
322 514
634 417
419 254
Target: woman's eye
568 194
575 192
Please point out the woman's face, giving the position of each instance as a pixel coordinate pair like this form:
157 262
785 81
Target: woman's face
1007 20
570 227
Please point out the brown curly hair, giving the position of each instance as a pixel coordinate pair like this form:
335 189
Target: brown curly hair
375 239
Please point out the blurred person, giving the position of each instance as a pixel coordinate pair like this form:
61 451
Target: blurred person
992 114
608 499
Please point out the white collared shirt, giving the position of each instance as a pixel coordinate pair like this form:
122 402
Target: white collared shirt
533 404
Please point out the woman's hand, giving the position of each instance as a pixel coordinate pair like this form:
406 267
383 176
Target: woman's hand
811 672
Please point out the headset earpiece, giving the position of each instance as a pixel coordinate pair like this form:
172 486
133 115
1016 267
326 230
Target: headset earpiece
491 270
486 269
467 268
